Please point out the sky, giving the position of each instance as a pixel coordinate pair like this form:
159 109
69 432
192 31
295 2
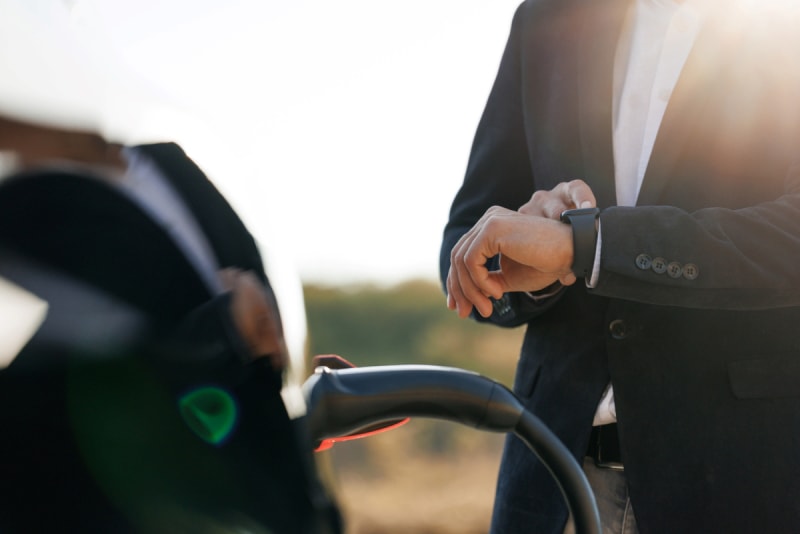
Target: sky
339 131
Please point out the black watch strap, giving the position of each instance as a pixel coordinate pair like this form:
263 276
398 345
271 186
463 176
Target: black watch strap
584 238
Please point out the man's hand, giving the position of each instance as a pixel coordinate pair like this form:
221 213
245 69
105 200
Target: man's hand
535 252
255 316
564 196
535 249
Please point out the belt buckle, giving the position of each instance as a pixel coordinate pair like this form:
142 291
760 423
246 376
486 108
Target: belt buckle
613 466
600 460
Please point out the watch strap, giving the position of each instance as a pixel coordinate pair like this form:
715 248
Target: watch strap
584 238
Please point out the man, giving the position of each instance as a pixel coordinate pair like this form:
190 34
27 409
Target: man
663 323
149 399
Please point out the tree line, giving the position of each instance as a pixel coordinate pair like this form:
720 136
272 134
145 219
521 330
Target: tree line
408 323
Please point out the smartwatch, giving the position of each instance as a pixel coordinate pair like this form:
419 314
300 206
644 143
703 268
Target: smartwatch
584 238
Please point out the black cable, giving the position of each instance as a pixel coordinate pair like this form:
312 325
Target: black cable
345 400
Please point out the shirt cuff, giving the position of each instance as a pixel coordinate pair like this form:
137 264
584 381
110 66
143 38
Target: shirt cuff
591 282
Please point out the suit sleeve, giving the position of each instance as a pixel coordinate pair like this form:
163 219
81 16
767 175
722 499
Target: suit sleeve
498 172
712 258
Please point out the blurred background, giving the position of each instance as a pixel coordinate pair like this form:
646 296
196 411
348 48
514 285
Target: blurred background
427 476
340 133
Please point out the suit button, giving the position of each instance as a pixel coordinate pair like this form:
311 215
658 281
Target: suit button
618 329
659 265
690 271
674 269
643 261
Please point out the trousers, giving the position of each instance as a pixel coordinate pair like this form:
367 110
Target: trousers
610 490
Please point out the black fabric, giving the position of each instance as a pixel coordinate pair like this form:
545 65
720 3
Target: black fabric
604 445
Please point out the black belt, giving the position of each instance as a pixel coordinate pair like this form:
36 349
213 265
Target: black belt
604 447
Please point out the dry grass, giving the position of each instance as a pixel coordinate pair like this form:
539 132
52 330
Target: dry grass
395 483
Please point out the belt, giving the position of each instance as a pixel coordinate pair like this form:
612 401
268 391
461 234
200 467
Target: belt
604 447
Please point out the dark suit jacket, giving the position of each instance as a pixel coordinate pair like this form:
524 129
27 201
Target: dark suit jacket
95 440
706 369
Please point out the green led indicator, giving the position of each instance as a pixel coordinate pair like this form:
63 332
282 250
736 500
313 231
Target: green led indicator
210 412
